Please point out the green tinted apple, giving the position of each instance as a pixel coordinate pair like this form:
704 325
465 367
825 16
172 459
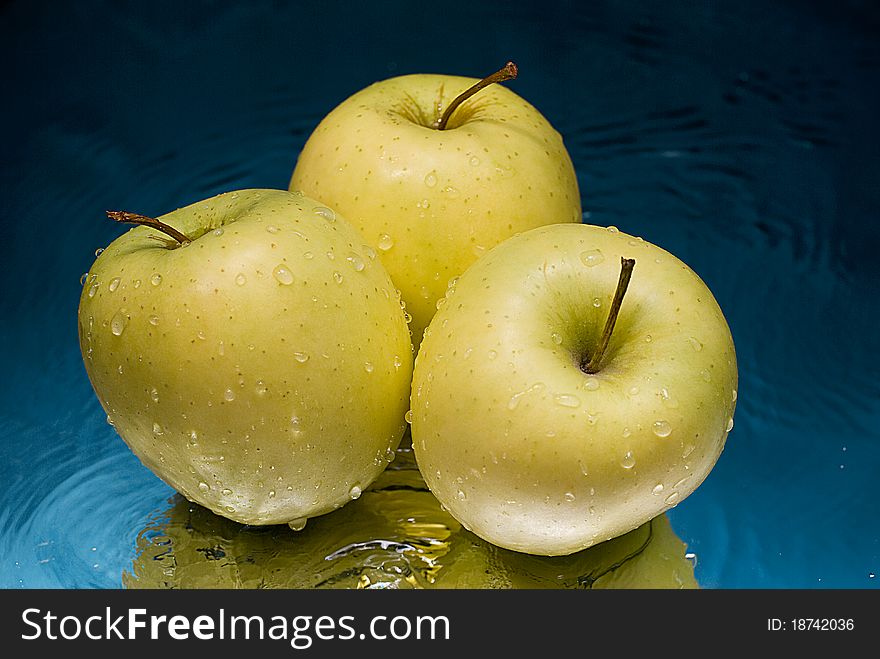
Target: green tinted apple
259 364
429 200
526 448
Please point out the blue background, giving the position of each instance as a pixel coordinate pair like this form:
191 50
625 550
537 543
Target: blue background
740 136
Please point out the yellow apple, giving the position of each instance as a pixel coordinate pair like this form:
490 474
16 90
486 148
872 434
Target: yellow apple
259 364
519 441
431 201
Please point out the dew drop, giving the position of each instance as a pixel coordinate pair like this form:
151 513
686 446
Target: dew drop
117 324
283 275
356 262
326 213
308 256
733 396
137 283
203 486
628 461
298 524
474 161
218 231
156 279
591 384
493 354
695 344
93 289
612 229
672 498
301 357
408 417
226 492
153 320
157 429
99 251
272 228
583 467
261 388
567 400
82 280
706 375
688 449
398 362
154 394
626 432
337 276
355 491
729 424
658 488
662 428
229 395
240 279
431 179
451 192
556 338
592 257
193 438
385 243
461 495
114 284
368 367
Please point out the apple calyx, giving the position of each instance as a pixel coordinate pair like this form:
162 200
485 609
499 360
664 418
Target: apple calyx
508 72
136 218
591 366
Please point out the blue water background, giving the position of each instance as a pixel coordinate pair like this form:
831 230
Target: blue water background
740 136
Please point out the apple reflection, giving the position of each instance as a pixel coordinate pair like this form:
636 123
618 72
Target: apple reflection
396 535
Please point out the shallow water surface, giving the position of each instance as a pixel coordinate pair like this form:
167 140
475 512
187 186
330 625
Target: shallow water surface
741 137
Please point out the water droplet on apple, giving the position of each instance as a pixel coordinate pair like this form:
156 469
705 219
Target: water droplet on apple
82 280
567 400
451 192
408 417
385 243
493 354
137 283
156 279
633 391
368 367
706 375
431 179
154 394
226 492
327 213
592 257
298 524
117 324
355 491
157 429
733 396
119 369
218 231
356 262
662 428
461 495
626 432
114 284
658 488
612 229
272 228
337 276
591 384
230 509
424 292
193 438
438 305
93 289
261 388
668 400
688 449
729 424
99 251
597 302
301 357
556 338
474 161
153 320
569 496
110 421
695 344
283 275
672 498
229 395
203 486
628 461
240 279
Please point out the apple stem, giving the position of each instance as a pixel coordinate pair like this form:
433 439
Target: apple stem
509 72
626 269
153 223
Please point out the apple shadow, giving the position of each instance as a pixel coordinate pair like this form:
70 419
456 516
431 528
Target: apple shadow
396 535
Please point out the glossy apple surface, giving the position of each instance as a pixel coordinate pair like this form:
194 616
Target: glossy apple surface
263 369
432 201
526 449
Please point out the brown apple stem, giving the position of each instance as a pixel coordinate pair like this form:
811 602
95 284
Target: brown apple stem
509 72
153 223
626 268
